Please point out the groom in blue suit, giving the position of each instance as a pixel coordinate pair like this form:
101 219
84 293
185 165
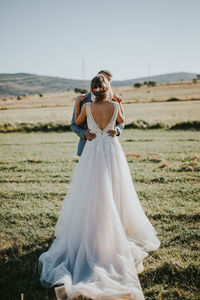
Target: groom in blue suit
82 130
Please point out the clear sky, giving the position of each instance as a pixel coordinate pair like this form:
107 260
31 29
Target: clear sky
77 38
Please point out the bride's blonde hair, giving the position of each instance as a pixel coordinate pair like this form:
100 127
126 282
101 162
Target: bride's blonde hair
100 87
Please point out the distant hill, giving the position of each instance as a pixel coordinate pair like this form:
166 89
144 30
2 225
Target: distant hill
170 77
24 83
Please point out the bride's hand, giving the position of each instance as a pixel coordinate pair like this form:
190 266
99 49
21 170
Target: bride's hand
81 98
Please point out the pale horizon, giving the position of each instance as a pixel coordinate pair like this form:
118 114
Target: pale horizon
90 78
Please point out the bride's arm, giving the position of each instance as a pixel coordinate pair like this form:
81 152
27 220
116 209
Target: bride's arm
80 116
120 115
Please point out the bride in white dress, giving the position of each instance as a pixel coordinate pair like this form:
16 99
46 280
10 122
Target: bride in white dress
102 233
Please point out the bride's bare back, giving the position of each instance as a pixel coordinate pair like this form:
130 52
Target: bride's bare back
102 113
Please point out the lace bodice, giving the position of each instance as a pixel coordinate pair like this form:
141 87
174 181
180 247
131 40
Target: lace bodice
93 125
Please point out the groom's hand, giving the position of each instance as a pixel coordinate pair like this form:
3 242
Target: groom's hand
113 132
89 135
81 97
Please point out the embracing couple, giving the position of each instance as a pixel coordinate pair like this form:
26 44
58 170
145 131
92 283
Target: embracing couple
102 233
82 130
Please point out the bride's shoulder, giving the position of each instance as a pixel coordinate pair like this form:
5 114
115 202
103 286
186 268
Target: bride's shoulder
84 107
86 104
116 104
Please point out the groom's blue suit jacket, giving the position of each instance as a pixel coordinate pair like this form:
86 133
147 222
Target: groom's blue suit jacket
81 129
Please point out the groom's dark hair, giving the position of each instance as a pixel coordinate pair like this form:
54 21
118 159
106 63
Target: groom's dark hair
106 72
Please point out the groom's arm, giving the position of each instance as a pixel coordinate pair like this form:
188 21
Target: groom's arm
119 127
77 129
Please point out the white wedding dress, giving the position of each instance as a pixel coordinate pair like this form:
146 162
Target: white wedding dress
102 233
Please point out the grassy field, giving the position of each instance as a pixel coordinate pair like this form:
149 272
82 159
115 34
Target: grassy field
35 171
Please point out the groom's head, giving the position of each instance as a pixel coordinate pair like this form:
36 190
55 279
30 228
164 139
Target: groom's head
107 74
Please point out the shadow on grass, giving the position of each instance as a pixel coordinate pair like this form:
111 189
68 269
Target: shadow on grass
172 275
179 217
19 274
185 238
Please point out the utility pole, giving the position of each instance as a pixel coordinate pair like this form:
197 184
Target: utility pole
83 72
149 71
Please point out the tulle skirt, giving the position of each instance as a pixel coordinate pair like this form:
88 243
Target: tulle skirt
102 233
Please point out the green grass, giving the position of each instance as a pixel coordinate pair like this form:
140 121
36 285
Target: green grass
35 171
61 126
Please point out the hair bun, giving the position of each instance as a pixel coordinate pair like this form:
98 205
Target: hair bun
100 87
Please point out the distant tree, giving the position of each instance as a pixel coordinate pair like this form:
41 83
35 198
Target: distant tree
145 82
173 99
81 91
84 91
151 83
194 80
68 89
24 95
137 85
19 98
41 95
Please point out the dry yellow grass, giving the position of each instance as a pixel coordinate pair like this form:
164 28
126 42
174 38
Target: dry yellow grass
161 92
145 103
168 112
35 101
